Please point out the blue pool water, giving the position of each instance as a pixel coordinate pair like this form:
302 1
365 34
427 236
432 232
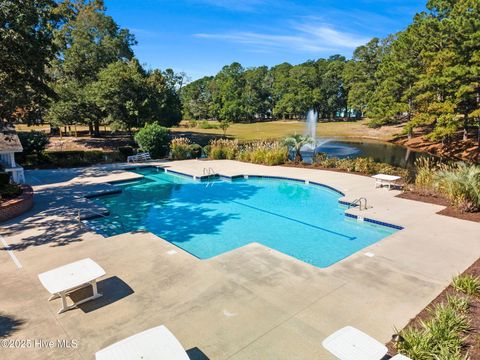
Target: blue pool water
210 218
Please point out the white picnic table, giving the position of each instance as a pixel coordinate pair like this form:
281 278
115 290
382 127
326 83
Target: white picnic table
350 343
152 344
65 279
383 179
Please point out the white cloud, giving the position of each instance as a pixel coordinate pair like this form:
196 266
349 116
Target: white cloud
327 34
311 38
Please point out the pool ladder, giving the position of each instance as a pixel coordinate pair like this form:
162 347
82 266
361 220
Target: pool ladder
359 203
209 172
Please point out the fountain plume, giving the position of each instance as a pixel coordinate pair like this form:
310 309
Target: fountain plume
312 118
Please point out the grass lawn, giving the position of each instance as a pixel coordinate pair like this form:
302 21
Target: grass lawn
243 132
281 129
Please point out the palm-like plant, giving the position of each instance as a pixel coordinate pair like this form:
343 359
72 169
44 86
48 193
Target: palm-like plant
296 142
461 184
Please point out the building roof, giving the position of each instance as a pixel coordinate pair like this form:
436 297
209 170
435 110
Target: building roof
9 141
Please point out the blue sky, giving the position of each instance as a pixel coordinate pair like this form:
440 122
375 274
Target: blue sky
200 36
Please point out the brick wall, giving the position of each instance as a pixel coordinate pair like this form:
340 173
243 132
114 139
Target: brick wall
15 207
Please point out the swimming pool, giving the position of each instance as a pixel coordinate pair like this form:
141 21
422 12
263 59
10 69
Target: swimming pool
208 218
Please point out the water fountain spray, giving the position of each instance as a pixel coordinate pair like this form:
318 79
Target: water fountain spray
311 130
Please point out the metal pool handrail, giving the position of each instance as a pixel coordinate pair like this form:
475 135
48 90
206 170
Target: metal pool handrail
208 171
359 202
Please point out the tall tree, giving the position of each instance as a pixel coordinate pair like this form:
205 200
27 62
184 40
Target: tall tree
392 99
333 96
197 99
164 105
121 95
230 83
430 75
26 48
256 98
89 41
359 74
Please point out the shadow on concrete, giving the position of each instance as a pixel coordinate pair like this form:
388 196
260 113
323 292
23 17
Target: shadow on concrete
9 324
196 354
53 219
113 289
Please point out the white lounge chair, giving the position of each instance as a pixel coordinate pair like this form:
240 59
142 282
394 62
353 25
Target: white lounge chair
66 279
155 343
383 179
350 343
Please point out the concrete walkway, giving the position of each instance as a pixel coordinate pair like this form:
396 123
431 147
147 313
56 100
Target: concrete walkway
250 303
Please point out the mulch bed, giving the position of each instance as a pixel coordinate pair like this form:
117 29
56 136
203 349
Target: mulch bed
473 337
448 211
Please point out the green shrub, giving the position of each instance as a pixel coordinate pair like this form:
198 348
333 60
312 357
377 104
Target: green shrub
328 163
206 150
126 151
425 172
467 284
195 151
4 178
346 164
442 336
277 154
416 343
180 149
361 165
223 149
154 139
458 303
192 123
461 185
319 157
33 142
207 125
10 191
264 152
364 166
447 325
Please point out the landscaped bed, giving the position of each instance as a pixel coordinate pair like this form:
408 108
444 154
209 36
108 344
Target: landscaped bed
14 206
471 341
438 200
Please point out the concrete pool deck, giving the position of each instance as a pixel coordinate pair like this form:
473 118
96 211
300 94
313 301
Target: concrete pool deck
250 303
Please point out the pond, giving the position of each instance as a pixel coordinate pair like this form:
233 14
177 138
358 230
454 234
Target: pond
384 152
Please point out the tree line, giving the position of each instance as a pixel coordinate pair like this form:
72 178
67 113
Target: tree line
426 76
69 63
283 91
